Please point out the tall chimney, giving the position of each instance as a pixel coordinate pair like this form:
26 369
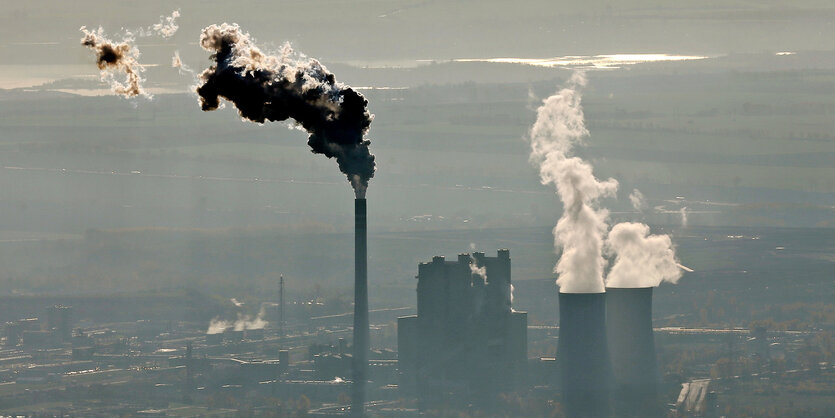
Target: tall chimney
632 348
583 355
360 354
281 320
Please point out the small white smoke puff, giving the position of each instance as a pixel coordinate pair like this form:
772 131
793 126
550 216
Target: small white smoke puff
637 200
177 62
683 213
166 27
580 231
474 268
641 259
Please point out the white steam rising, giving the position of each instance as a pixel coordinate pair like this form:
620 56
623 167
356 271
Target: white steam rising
641 259
244 322
474 268
580 231
580 234
683 212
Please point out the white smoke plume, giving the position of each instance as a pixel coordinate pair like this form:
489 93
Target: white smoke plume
641 259
478 271
217 326
580 231
114 57
177 62
166 27
474 268
637 200
244 322
683 212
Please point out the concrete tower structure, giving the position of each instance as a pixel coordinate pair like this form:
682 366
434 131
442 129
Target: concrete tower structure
632 349
583 355
361 333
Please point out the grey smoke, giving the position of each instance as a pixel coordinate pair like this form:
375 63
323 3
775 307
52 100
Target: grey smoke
116 57
123 57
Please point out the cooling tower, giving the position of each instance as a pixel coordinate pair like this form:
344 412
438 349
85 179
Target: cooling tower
360 354
632 349
583 355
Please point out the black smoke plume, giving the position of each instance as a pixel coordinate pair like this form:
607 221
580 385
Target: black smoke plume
269 88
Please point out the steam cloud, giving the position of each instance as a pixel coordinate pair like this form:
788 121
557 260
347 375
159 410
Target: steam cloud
683 212
112 57
580 231
276 88
640 259
244 322
474 268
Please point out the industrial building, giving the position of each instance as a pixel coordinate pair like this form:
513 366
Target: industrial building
465 338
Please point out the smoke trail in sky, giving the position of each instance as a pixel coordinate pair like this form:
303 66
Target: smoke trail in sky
114 57
276 88
166 27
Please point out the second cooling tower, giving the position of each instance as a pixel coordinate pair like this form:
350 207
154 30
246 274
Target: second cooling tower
583 355
632 348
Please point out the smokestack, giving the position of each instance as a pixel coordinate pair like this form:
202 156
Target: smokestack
632 348
281 306
583 355
360 355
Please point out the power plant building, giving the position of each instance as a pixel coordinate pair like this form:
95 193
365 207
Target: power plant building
465 338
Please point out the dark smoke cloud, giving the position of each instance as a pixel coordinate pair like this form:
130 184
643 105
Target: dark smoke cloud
269 88
112 57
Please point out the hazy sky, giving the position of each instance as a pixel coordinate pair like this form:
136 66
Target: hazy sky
41 31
